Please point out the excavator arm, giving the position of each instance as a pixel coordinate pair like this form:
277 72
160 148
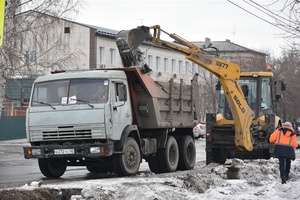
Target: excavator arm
228 73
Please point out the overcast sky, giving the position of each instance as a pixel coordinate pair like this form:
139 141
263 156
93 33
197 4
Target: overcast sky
191 19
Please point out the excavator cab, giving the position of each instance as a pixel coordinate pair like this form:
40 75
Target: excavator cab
257 93
258 89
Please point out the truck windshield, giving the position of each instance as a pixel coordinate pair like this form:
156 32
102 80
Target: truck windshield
74 91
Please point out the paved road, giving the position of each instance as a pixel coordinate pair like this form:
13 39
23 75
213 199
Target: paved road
16 171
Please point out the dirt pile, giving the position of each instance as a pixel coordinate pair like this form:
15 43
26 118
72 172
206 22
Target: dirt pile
38 194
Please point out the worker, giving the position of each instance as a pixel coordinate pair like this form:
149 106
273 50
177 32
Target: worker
245 90
247 94
285 141
102 93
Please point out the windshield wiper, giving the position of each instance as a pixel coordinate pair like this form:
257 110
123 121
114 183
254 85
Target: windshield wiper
83 101
44 103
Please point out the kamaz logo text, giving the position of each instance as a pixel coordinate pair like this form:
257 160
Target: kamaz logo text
222 65
239 104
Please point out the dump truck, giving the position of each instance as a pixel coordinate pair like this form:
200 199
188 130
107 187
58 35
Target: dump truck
242 127
70 123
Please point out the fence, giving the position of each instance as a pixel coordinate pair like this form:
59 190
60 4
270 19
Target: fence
12 121
12 127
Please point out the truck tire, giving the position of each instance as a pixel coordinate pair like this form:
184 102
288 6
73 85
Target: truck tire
52 167
128 163
168 157
187 153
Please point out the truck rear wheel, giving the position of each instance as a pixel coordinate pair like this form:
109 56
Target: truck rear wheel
169 156
52 167
128 163
187 153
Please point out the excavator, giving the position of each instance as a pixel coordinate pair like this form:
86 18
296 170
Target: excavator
241 129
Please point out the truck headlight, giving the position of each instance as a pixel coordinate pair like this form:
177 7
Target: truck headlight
35 152
95 149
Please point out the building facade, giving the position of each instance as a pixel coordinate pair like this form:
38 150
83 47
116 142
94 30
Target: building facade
68 45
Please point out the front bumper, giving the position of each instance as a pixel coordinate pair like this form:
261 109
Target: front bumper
69 151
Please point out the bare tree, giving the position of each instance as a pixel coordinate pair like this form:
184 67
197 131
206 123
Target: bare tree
284 15
209 95
33 39
287 68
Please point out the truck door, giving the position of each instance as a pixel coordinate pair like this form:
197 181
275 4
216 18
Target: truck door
121 109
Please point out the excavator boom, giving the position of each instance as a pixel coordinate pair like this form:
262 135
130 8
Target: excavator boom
228 73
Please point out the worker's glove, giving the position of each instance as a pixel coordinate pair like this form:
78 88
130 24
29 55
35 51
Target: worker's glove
298 147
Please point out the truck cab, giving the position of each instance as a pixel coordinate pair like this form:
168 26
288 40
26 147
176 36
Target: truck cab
70 106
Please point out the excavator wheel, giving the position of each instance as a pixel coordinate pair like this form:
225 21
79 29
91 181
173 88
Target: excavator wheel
217 155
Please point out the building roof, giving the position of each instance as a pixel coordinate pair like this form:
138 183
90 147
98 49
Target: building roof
103 31
228 46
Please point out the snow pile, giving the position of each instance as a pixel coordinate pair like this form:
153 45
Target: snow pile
255 179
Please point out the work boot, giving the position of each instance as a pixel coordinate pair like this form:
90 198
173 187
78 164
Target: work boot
283 180
287 177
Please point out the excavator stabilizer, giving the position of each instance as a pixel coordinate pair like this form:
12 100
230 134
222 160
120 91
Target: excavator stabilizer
128 42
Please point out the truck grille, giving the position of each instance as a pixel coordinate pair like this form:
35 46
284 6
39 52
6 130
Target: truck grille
67 134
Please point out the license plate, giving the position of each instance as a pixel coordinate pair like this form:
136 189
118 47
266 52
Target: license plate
63 151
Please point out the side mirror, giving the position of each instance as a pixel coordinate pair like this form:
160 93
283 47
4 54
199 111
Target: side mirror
278 96
218 86
283 85
22 97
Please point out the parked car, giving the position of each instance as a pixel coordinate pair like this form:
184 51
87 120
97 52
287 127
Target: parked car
199 130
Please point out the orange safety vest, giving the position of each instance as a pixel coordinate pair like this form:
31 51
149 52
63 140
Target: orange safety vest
288 138
285 141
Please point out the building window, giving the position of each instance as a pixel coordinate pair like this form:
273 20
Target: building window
67 30
173 66
157 63
102 55
112 56
166 63
194 68
180 67
30 57
150 61
187 65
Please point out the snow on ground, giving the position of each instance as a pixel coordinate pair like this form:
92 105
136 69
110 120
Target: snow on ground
238 179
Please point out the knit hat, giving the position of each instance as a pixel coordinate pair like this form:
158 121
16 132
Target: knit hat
287 124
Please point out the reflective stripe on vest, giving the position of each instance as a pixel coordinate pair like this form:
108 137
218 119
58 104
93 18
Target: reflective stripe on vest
290 142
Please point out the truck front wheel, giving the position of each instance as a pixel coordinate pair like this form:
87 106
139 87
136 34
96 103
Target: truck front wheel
128 163
187 153
52 167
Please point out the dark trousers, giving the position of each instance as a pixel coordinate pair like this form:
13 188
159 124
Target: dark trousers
284 165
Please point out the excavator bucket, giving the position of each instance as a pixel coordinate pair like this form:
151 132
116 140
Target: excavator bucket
128 42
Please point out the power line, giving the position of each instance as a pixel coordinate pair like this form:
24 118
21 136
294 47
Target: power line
286 30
